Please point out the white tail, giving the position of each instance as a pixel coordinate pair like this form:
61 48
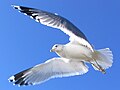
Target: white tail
103 57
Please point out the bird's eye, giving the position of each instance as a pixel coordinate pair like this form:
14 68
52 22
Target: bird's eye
56 46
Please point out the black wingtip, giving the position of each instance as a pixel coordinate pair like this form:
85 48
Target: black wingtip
21 7
11 79
16 7
18 79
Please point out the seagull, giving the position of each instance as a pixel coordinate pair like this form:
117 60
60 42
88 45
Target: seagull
73 56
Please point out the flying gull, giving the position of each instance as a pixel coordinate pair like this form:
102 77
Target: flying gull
73 55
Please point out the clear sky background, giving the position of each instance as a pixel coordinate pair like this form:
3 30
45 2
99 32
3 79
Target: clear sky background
25 43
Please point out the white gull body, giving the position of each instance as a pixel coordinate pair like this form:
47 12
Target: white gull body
76 51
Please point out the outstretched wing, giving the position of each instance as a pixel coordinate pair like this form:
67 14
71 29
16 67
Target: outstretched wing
55 67
56 21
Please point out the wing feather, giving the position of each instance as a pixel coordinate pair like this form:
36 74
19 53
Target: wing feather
56 21
55 67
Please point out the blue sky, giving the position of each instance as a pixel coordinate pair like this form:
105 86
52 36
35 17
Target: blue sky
25 43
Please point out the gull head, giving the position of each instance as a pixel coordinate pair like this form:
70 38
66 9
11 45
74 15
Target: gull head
57 48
